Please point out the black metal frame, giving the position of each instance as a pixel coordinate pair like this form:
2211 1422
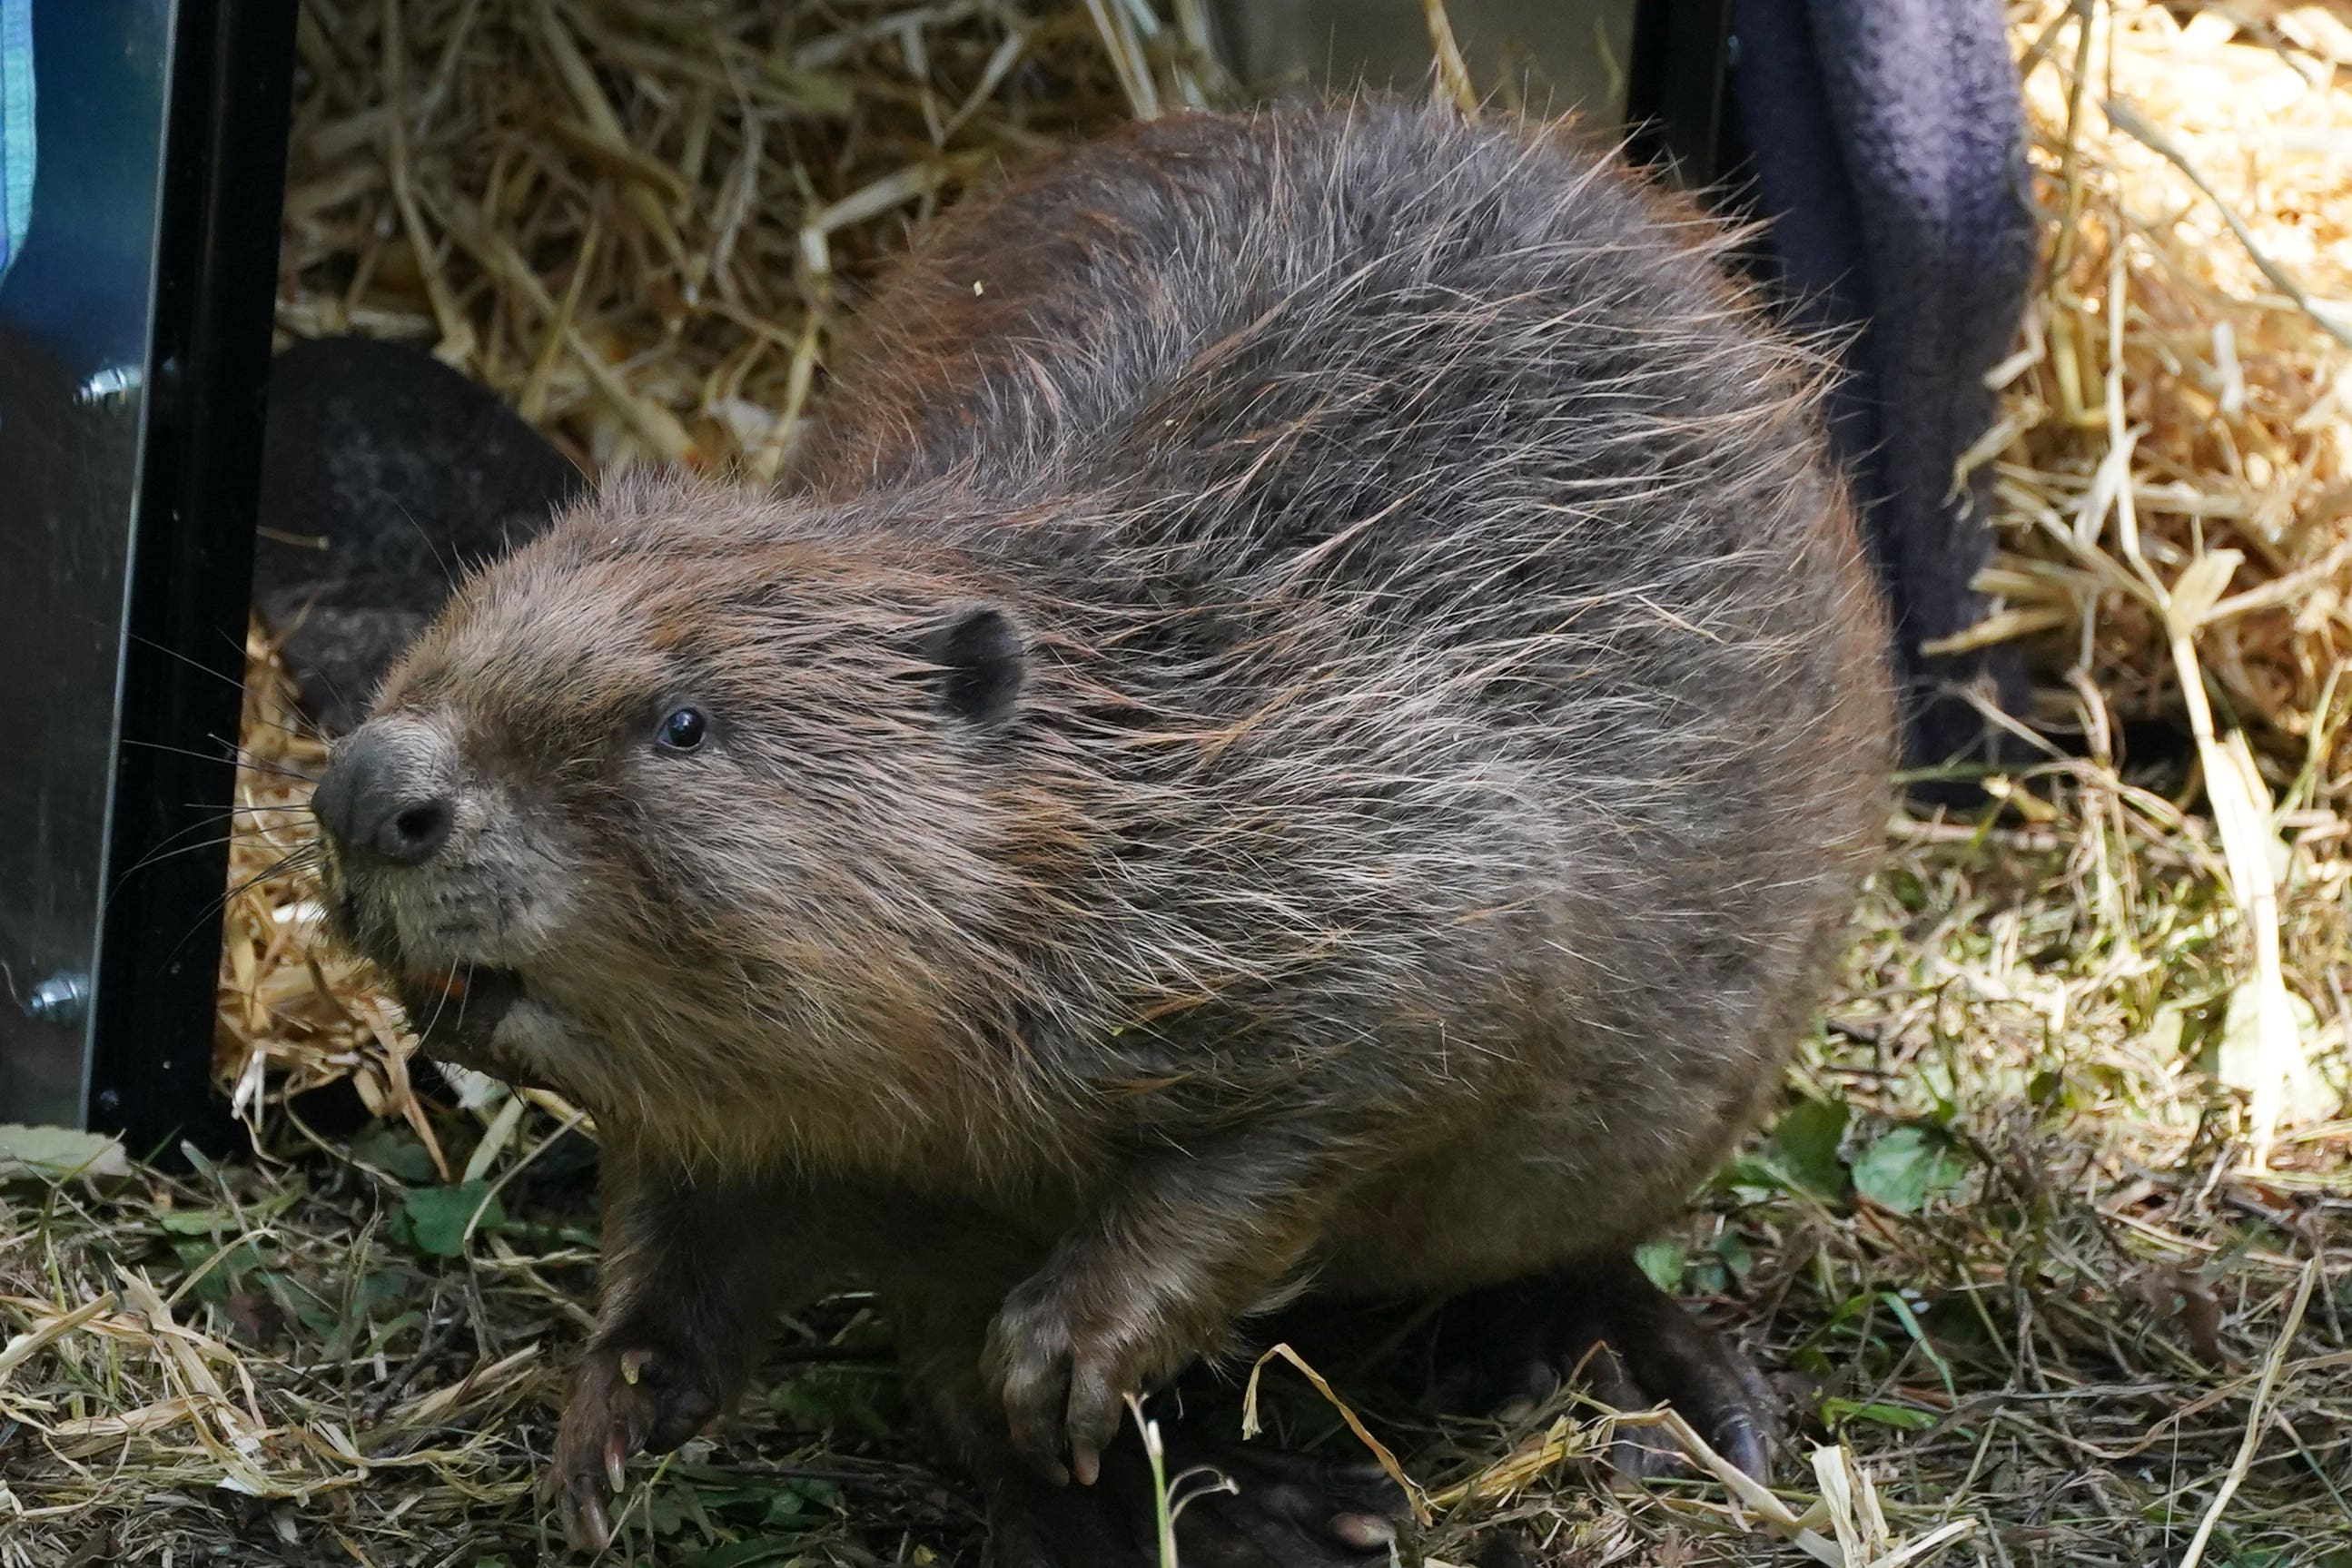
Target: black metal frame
1675 86
190 570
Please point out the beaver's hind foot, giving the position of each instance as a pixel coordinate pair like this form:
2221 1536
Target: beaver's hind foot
1238 1507
1630 1344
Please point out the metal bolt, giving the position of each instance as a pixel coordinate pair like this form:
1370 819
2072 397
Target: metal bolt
110 384
60 1000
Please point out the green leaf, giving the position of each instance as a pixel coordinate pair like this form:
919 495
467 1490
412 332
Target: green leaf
385 1333
672 1509
381 1286
53 1151
798 1503
846 1397
433 1218
1663 1260
227 1276
1804 1146
1907 1166
715 1499
1918 1333
307 1309
209 1225
1836 1411
395 1150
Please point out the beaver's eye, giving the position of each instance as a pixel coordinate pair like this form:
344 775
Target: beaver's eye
682 730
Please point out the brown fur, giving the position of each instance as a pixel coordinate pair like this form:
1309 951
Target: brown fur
1450 729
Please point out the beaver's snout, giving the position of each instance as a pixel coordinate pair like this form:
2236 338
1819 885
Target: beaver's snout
402 874
428 877
388 793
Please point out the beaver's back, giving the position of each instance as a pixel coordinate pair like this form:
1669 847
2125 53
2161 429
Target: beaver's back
1485 393
1493 656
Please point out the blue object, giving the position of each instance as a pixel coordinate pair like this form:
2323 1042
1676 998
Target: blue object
1889 145
15 126
81 280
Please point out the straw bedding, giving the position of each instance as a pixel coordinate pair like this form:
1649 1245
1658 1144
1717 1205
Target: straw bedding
2049 1246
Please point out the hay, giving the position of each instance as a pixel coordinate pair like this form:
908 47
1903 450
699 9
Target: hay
640 221
2049 1244
2174 467
2184 387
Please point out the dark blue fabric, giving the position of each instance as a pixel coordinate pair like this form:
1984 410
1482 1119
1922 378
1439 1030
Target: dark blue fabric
1886 140
91 242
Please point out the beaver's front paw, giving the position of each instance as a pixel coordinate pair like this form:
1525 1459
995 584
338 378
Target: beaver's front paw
1064 1372
627 1398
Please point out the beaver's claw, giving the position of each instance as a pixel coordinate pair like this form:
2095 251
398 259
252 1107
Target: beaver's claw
626 1399
1630 1344
1065 1376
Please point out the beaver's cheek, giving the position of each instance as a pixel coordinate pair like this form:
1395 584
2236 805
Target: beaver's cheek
486 1021
455 1014
536 1041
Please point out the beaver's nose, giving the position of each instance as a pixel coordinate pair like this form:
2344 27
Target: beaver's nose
375 798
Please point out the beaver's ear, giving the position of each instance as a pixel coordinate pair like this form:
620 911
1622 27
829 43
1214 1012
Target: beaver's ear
981 664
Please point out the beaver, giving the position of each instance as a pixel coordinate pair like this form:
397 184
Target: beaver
1309 725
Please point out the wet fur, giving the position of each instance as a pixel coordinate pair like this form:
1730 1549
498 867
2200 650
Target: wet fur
1443 727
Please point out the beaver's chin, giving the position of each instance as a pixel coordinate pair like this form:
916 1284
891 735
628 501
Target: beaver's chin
474 1017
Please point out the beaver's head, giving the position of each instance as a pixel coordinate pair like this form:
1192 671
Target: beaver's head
692 768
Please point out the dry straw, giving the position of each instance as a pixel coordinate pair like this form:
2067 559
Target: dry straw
2173 465
2061 1282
